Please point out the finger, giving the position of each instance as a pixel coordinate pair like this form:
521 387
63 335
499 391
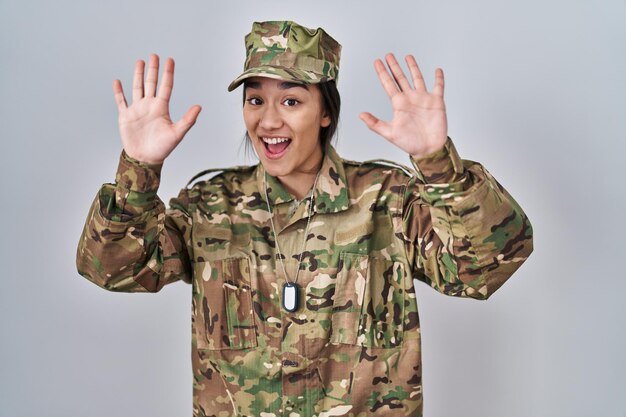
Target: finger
439 83
187 121
390 86
167 80
152 76
397 72
416 74
138 80
118 94
376 125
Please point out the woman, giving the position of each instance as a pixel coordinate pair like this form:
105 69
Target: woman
303 266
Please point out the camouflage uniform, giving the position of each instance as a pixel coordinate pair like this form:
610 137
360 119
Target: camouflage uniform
353 347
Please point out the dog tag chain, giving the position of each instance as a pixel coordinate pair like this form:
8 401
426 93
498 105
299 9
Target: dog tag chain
291 290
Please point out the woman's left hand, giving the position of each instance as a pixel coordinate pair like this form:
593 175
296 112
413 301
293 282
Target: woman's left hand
419 125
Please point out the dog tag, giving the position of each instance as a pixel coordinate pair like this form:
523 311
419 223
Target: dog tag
291 297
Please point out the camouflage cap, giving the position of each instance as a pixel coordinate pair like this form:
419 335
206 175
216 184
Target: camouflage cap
285 50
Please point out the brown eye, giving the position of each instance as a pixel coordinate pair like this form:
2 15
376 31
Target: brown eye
255 101
290 102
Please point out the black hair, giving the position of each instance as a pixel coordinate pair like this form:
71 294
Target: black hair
331 102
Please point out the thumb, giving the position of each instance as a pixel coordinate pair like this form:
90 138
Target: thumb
187 121
376 125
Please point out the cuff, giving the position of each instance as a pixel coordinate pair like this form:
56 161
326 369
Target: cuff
137 176
440 167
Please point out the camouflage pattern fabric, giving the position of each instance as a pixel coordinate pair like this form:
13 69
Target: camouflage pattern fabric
287 51
353 347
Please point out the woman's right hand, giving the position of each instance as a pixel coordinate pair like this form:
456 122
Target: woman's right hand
147 131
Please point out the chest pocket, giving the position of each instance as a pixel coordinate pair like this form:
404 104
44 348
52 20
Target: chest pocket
368 307
222 305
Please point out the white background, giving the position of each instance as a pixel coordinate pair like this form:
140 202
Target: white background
535 91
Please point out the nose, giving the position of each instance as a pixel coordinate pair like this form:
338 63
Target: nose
270 118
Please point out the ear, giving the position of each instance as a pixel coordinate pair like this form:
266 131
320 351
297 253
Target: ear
325 122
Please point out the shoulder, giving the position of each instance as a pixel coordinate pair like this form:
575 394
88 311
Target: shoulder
378 168
377 180
216 186
222 176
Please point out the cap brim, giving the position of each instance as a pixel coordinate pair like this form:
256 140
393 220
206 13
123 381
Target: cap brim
276 73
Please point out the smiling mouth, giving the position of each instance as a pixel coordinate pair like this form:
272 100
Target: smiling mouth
276 146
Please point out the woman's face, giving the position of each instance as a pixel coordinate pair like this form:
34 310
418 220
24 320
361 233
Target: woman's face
283 120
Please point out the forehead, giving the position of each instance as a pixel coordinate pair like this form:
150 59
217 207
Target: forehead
265 83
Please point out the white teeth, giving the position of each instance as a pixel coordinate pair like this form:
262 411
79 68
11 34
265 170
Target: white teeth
274 141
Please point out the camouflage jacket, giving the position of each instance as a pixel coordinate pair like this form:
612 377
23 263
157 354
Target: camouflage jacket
353 347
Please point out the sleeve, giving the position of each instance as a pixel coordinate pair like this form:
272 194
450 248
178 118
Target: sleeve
465 234
130 242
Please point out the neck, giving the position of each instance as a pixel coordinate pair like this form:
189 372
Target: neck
298 184
300 181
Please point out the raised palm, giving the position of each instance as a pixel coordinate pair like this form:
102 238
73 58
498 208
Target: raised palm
147 131
419 124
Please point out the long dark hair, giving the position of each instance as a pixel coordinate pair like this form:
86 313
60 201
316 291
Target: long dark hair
331 102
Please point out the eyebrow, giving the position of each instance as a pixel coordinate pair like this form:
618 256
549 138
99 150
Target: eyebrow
285 85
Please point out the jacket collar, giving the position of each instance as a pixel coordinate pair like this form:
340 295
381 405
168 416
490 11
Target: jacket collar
331 191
